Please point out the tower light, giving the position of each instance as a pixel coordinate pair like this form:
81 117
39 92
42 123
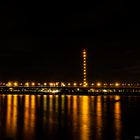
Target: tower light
84 54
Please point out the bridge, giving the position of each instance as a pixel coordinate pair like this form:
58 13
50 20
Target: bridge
71 89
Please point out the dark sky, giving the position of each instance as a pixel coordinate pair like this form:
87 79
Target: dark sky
43 41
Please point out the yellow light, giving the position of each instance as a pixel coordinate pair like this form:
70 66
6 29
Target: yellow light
98 84
33 84
9 84
84 52
27 84
57 83
117 84
80 84
105 84
63 84
51 84
75 84
39 84
69 84
45 84
92 84
85 84
15 84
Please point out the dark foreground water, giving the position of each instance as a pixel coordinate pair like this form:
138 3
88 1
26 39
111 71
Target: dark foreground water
53 117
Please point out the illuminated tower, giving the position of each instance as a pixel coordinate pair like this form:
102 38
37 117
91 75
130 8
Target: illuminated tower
84 53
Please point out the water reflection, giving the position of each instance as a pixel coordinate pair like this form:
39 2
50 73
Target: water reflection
73 108
9 112
15 115
85 118
62 117
32 114
117 116
99 117
29 116
11 119
26 114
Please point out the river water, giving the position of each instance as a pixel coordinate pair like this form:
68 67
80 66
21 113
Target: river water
66 117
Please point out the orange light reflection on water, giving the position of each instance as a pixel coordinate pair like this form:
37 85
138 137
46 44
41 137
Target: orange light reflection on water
99 117
26 114
56 103
29 115
75 116
15 113
32 113
117 118
9 112
45 102
50 113
85 121
69 104
11 119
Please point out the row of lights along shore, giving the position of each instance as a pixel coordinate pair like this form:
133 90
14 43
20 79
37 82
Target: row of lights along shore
63 84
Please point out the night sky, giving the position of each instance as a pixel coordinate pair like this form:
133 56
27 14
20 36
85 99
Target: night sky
43 41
